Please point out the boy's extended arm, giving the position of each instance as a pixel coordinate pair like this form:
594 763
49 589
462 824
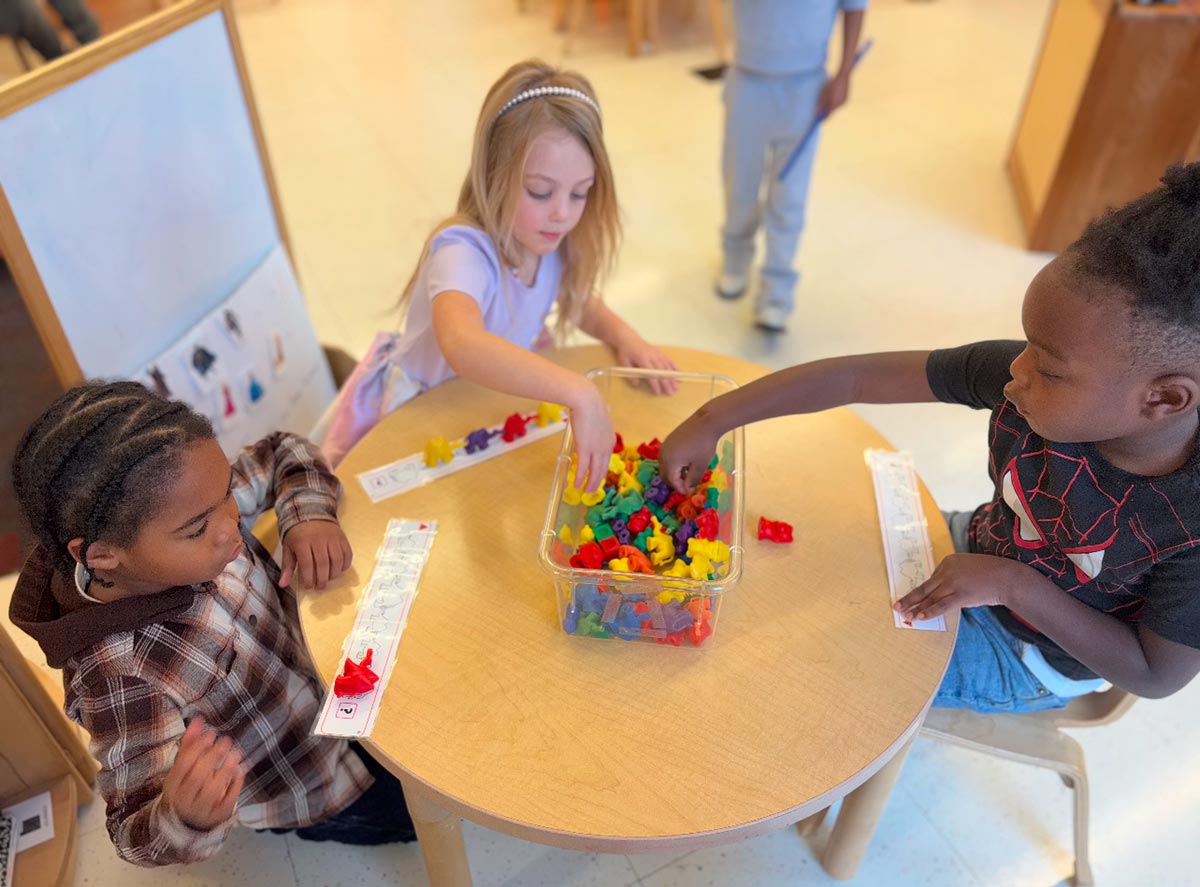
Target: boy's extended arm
889 377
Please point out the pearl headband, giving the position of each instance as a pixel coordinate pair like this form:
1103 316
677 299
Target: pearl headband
545 90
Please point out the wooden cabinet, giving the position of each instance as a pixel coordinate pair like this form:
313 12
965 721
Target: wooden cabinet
1114 101
40 749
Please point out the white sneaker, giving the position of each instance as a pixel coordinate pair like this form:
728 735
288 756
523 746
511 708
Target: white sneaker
772 318
732 286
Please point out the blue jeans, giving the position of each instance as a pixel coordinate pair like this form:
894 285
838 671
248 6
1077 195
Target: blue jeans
380 816
986 673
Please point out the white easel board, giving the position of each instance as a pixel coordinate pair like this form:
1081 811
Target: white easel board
137 200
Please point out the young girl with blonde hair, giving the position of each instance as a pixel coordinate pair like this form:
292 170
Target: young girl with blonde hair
536 228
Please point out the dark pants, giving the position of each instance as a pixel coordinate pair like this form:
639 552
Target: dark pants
380 816
24 20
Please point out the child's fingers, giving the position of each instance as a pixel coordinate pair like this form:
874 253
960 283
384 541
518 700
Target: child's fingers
285 570
347 553
320 555
303 557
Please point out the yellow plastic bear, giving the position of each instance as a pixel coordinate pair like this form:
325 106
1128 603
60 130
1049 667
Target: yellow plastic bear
438 450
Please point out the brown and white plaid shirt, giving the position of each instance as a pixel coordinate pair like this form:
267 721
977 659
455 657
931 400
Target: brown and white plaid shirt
234 657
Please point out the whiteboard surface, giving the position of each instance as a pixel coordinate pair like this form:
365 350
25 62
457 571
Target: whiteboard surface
141 196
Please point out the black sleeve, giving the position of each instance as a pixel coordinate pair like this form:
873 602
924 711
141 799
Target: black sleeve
972 375
1172 590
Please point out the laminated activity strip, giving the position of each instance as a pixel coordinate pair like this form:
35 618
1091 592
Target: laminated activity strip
905 531
375 637
442 457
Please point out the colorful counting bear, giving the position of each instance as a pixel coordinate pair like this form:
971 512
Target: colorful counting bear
661 548
547 414
774 530
437 451
638 525
478 440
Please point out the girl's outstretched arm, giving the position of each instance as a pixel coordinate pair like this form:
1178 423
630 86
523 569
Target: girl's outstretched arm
489 360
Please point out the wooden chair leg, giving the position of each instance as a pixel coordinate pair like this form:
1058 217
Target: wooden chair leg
25 63
809 825
573 21
637 26
1083 865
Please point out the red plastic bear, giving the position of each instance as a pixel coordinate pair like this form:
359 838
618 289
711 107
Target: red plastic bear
356 677
619 446
774 530
514 427
589 557
708 523
638 521
649 450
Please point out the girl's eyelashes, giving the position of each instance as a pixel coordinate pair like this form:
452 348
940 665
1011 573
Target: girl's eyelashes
200 532
579 197
536 196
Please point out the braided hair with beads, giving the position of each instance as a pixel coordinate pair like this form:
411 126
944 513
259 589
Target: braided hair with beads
93 465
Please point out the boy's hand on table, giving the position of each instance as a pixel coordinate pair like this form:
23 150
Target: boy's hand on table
966 580
591 428
318 551
684 456
203 784
637 352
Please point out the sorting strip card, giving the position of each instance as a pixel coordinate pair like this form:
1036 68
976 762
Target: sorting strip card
412 472
905 531
382 615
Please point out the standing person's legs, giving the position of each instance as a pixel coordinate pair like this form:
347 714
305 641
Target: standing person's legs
743 160
78 19
794 103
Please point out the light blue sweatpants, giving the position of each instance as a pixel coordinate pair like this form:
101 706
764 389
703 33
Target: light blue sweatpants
765 118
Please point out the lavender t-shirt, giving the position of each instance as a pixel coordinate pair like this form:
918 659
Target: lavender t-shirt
464 259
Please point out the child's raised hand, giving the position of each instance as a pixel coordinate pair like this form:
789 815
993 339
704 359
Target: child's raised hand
203 784
685 454
591 428
637 352
318 551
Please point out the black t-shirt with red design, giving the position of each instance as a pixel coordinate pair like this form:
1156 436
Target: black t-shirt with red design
1122 543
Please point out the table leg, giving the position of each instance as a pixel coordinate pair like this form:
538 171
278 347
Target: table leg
439 833
858 817
810 824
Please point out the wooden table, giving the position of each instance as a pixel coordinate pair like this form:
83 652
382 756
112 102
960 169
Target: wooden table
493 714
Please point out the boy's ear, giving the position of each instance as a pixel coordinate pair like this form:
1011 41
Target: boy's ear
1170 396
101 555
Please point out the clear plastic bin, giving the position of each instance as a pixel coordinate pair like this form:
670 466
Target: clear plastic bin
638 606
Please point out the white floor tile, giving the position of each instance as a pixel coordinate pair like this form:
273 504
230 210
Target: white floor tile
500 861
906 851
246 858
325 864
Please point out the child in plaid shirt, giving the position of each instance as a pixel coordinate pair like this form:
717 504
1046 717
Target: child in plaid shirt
177 633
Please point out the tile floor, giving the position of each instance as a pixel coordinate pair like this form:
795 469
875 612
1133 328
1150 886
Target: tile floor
913 241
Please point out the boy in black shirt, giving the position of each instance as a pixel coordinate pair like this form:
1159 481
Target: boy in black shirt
1085 565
